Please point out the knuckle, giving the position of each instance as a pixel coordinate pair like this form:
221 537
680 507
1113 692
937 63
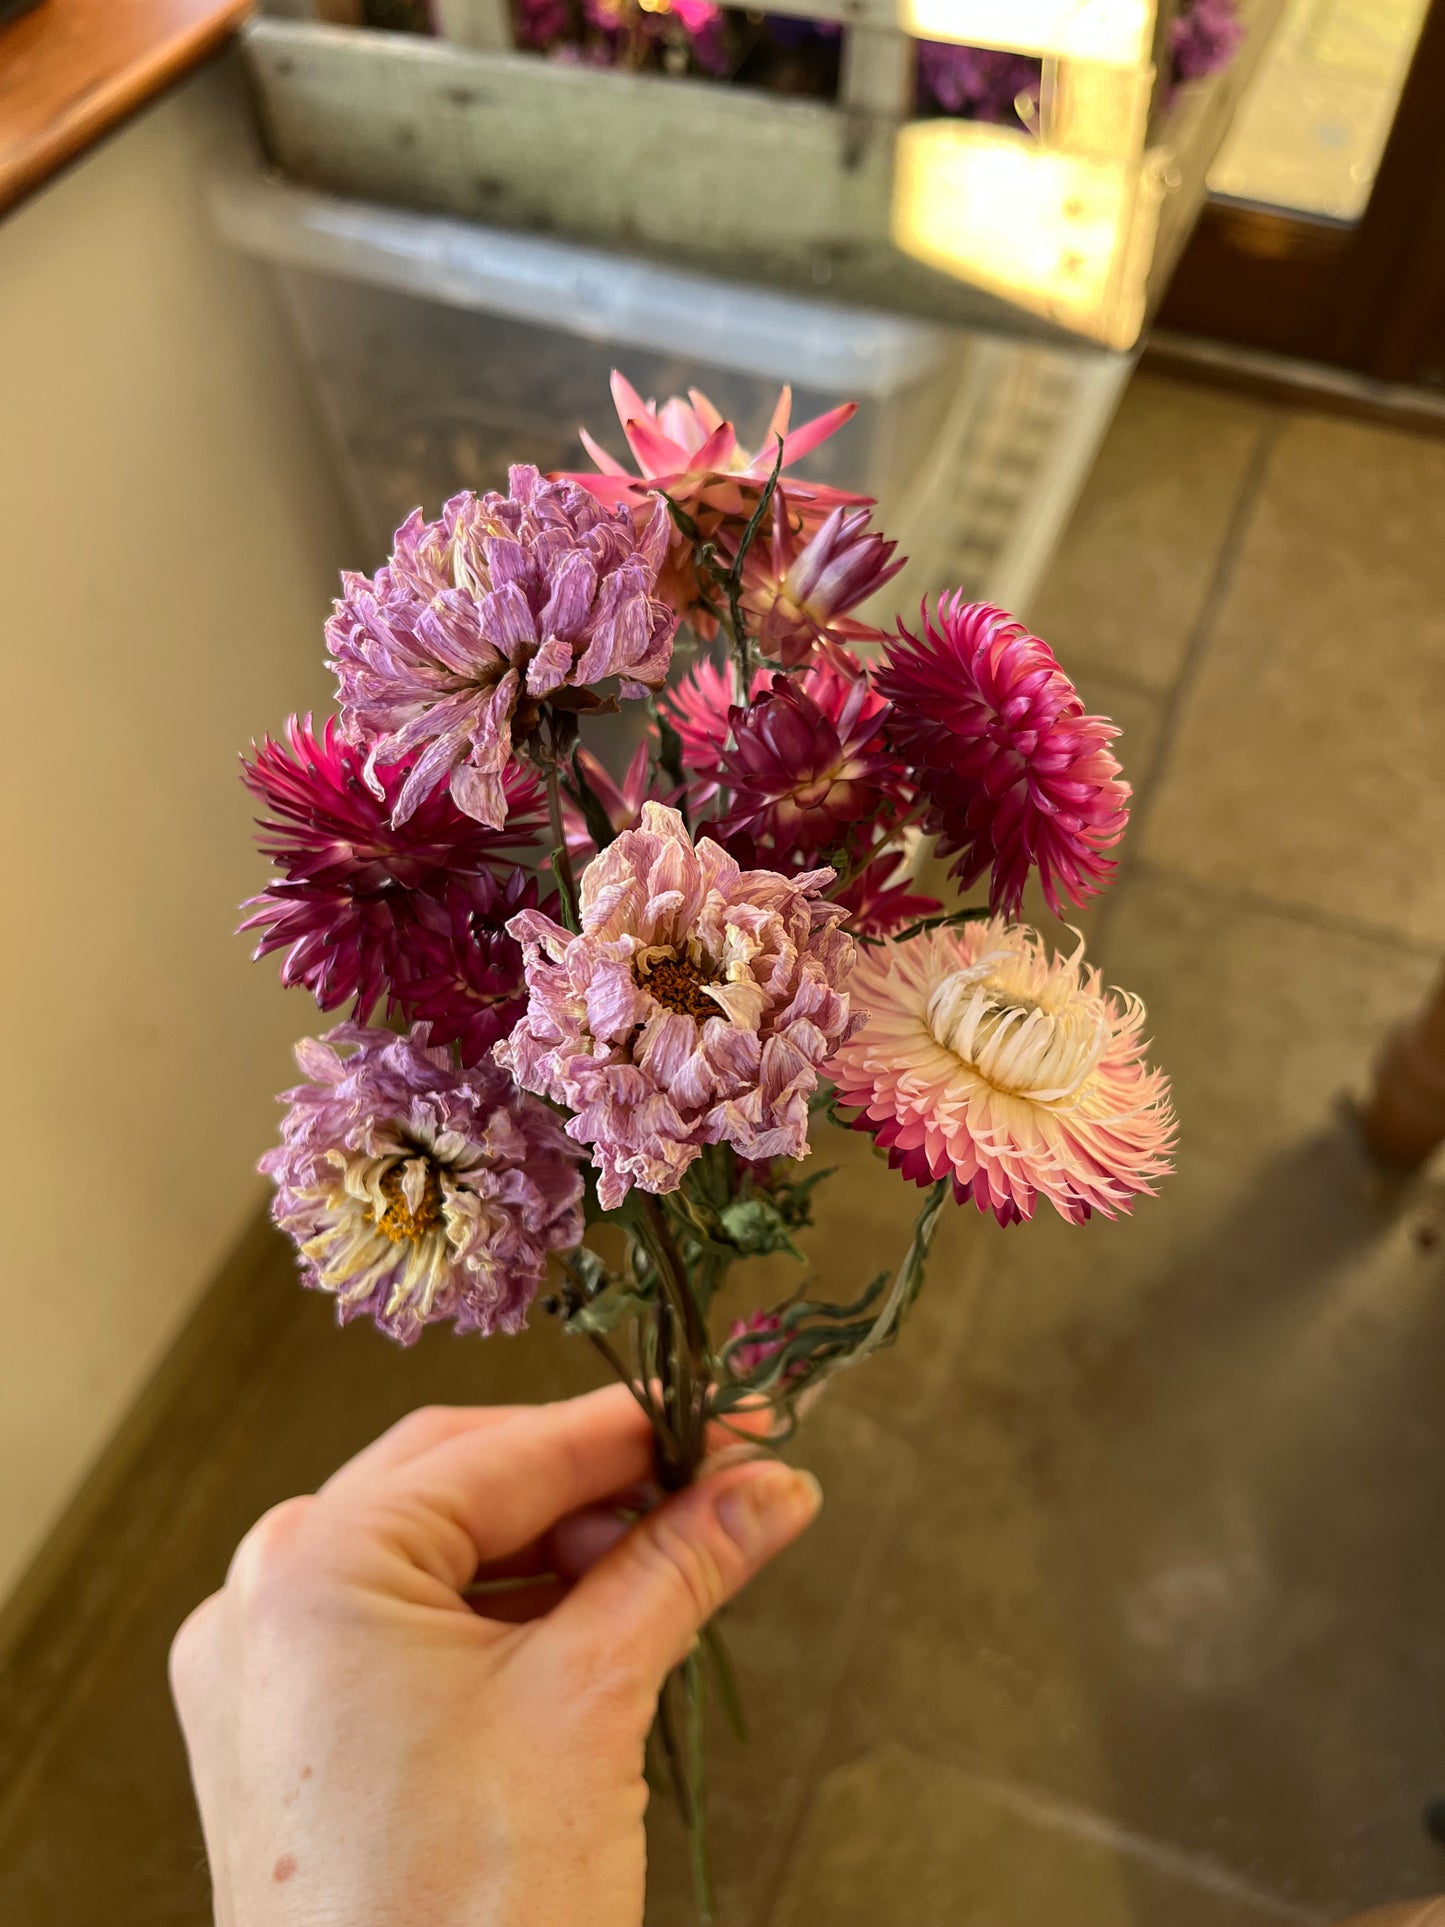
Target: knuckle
191 1646
272 1554
428 1425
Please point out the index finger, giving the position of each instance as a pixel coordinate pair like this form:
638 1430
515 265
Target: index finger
487 1492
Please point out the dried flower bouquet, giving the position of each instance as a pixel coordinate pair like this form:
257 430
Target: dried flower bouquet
575 1000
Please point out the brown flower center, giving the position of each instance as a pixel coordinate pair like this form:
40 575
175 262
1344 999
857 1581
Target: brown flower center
399 1222
677 985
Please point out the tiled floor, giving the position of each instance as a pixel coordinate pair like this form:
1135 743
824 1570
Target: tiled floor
1126 1606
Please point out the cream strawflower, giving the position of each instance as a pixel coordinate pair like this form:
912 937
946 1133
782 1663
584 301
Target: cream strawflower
1016 1074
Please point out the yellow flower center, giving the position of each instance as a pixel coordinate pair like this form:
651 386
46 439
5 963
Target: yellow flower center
1018 1042
400 1222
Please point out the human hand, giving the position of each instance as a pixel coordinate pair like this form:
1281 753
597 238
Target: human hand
368 1749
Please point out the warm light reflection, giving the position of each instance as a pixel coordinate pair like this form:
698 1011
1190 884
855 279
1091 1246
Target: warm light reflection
1119 32
1053 232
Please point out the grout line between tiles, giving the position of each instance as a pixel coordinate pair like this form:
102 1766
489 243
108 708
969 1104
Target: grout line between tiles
1237 898
849 1640
1201 634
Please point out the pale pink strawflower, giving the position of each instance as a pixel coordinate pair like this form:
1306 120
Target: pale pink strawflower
416 1192
505 604
694 1008
1016 1075
1015 772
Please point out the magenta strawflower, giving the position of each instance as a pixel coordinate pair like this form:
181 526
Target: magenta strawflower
800 589
808 762
1014 771
1016 1075
880 900
459 970
506 603
694 1008
417 1193
348 876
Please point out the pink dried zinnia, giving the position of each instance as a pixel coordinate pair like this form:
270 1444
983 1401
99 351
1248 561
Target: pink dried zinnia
1016 1075
808 762
801 590
694 1008
349 878
507 603
997 738
417 1193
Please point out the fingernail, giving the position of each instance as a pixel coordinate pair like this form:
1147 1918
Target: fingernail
761 1514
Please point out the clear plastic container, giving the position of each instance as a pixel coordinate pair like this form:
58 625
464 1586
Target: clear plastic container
442 352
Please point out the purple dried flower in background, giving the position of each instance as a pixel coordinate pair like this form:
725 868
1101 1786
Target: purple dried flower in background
977 83
416 1193
539 22
1204 38
458 969
503 604
348 876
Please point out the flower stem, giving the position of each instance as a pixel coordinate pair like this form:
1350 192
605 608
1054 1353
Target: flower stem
561 859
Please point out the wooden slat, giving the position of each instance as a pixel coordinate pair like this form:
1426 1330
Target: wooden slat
524 142
483 24
73 69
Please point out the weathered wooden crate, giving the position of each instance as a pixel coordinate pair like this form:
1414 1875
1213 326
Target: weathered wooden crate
1074 228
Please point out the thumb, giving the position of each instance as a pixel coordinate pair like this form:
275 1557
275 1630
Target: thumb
648 1599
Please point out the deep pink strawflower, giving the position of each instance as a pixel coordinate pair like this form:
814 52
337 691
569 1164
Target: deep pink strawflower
349 878
694 1008
505 604
1014 771
800 588
458 969
808 762
1015 1075
699 707
418 1193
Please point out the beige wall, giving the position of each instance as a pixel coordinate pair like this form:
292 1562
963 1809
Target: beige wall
169 536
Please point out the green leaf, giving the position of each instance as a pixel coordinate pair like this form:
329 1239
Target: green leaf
715 1646
607 1310
757 1227
599 823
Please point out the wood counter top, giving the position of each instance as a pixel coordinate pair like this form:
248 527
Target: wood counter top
73 69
